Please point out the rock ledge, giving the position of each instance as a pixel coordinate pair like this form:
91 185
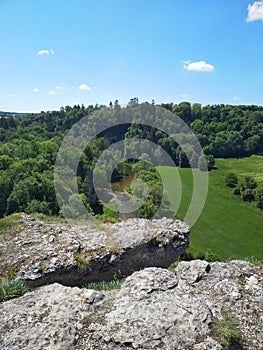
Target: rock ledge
74 255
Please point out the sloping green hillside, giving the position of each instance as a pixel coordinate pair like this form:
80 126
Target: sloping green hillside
228 226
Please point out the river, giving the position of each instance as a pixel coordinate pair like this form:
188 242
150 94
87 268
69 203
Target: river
122 197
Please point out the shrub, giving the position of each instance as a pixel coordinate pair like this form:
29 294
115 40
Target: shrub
248 195
231 180
8 222
189 255
249 183
236 191
210 256
36 206
210 161
260 199
260 204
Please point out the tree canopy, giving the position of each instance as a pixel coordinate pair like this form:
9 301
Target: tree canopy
29 144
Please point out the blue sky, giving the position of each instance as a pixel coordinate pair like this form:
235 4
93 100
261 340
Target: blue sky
62 52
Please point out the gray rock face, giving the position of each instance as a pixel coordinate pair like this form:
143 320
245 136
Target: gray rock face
158 309
74 255
154 309
48 318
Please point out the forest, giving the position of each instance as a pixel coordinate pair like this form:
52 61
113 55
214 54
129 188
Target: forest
29 144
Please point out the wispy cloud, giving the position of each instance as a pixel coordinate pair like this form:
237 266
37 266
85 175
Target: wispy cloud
255 11
84 87
36 90
46 52
200 66
58 87
51 93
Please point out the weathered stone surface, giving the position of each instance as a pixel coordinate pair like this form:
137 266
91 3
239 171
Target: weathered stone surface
74 255
48 318
157 309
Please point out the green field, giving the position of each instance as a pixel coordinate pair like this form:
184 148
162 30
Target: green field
231 228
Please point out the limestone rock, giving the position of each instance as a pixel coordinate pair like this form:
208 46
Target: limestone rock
74 255
158 309
47 318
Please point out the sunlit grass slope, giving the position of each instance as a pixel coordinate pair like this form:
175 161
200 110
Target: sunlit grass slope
231 228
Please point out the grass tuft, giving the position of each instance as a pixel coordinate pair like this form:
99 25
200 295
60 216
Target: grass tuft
13 289
103 285
81 261
255 261
226 331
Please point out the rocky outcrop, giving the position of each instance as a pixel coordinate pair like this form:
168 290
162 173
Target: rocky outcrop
74 255
189 308
158 309
47 318
154 309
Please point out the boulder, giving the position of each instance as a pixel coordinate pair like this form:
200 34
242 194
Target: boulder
47 318
74 255
158 309
154 309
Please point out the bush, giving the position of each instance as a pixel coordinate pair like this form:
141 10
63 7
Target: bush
248 195
260 199
210 161
236 191
36 206
231 180
210 256
249 183
8 222
189 255
260 204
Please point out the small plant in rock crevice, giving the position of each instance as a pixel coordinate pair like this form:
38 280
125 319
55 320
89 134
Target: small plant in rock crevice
81 262
103 285
12 289
226 331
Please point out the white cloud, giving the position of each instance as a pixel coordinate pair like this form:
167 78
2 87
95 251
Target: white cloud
51 93
58 87
200 66
36 90
84 87
255 11
46 52
236 98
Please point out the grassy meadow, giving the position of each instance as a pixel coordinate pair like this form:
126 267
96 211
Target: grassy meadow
229 227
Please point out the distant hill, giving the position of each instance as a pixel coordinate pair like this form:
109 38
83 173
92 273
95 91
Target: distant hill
7 113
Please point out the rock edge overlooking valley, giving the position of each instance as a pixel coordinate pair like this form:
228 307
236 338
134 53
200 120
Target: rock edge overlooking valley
74 255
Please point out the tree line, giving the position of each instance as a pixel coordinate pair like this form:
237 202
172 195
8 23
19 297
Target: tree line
29 144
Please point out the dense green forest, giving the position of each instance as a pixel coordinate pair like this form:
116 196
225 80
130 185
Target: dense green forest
29 144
